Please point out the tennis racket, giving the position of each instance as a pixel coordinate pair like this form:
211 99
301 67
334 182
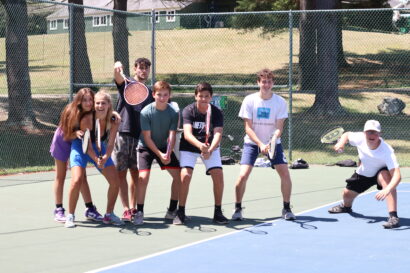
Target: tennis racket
272 147
98 136
134 92
207 124
86 139
169 151
332 136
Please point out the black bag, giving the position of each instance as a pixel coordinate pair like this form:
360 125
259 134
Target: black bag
347 163
227 160
299 164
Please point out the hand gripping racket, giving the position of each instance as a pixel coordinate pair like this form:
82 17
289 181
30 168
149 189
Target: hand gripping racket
332 136
134 92
86 139
98 136
207 124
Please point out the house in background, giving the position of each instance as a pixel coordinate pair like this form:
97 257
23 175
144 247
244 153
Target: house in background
100 20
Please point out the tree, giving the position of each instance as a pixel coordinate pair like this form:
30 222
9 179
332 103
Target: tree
319 49
17 70
81 62
120 35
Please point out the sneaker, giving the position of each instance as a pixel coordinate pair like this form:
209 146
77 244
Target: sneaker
287 214
340 209
237 214
138 218
219 218
180 218
127 216
59 215
69 221
170 215
111 218
93 215
392 222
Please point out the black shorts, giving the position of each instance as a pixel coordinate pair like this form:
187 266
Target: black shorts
146 156
360 183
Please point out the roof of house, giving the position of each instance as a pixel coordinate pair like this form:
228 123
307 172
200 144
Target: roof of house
132 6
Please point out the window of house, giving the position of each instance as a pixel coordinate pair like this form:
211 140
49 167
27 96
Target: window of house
170 16
104 20
53 24
65 25
157 18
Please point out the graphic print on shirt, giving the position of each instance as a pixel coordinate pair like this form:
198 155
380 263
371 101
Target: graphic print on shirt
199 125
263 113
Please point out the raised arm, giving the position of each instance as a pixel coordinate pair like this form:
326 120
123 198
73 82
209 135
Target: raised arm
118 70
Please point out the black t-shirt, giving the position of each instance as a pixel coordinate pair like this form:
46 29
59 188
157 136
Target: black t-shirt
191 115
130 115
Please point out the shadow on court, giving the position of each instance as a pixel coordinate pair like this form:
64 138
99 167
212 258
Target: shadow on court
404 222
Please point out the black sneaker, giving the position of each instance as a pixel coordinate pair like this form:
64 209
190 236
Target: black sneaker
392 222
340 209
219 218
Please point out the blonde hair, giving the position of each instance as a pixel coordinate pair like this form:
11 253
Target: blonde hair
102 93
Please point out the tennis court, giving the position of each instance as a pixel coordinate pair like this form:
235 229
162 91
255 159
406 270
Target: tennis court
32 242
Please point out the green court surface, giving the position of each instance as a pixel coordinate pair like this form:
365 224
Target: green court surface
32 242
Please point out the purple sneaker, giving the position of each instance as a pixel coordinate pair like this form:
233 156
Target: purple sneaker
93 214
59 215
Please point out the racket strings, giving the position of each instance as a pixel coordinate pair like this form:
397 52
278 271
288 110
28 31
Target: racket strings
135 93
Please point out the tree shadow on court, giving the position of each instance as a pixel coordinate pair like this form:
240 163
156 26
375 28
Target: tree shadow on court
404 222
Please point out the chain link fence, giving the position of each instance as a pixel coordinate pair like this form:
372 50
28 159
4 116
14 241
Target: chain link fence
335 68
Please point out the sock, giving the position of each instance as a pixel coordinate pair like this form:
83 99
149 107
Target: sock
59 205
181 209
238 205
89 205
393 214
286 205
173 205
218 208
140 207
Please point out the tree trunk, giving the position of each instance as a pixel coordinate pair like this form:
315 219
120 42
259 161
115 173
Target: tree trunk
326 45
340 53
81 62
17 70
307 52
120 35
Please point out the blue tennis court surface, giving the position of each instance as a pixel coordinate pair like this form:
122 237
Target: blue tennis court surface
316 242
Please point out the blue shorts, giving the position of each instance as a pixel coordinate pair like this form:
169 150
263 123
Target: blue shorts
250 152
78 158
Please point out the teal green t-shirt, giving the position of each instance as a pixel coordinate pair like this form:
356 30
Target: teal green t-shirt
159 123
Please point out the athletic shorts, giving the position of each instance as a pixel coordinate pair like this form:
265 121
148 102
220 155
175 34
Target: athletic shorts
78 158
146 156
360 183
188 160
60 149
125 152
250 153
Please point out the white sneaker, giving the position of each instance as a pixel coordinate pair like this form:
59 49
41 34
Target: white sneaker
237 214
69 221
111 218
170 215
138 218
287 214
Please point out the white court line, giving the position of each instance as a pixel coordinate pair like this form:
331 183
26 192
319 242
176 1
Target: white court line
213 238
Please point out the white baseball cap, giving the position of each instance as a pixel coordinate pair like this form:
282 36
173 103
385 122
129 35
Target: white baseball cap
372 125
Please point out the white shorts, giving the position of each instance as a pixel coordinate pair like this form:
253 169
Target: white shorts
188 160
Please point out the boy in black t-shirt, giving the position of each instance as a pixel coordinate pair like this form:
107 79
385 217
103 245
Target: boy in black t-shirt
193 144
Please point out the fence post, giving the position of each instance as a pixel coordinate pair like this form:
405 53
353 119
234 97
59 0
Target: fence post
290 82
71 45
153 68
